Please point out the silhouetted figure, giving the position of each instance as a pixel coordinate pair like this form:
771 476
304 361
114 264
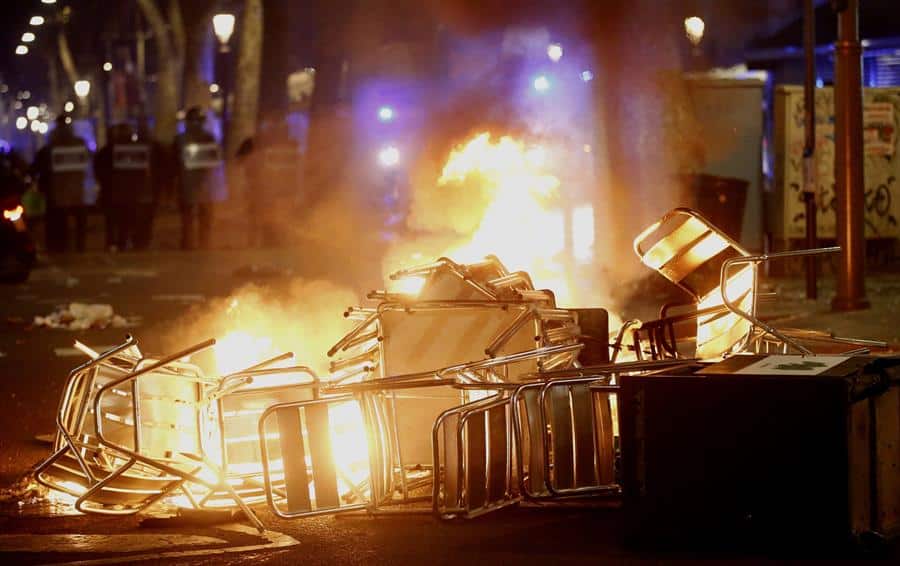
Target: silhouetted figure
272 166
60 167
160 175
123 168
197 156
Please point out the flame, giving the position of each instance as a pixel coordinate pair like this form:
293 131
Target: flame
499 197
13 215
238 350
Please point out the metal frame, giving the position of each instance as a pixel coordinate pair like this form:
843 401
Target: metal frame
196 462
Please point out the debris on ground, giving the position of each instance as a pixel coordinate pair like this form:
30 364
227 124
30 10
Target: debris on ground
82 316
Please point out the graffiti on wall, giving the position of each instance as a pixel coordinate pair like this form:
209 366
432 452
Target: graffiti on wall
881 112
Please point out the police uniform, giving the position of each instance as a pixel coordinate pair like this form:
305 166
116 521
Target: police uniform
198 157
61 166
123 168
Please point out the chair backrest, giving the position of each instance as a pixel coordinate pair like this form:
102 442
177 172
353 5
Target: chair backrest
473 453
168 410
316 457
241 409
685 248
75 415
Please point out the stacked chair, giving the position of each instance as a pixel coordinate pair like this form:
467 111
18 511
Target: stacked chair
447 354
133 430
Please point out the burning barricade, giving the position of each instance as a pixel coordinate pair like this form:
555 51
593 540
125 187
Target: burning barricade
462 395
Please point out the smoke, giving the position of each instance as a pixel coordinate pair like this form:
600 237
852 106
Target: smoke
256 322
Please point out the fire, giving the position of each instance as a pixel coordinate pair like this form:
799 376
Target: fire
15 214
238 350
499 196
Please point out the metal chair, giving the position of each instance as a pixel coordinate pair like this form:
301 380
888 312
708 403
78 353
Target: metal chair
176 433
78 461
723 280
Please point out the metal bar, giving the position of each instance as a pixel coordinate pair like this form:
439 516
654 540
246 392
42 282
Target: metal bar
293 457
848 163
809 145
322 456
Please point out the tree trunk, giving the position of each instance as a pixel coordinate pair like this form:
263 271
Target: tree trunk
166 75
179 43
247 75
198 25
65 57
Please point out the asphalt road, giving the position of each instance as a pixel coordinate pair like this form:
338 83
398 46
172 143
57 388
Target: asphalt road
154 290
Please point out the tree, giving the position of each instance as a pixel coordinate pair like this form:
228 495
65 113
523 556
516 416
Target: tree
247 74
167 74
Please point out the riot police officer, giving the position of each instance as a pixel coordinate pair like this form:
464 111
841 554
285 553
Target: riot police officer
198 158
123 170
60 167
271 163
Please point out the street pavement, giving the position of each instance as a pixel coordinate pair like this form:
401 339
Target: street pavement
154 290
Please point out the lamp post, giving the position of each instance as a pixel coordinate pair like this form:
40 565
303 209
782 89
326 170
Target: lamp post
223 26
848 162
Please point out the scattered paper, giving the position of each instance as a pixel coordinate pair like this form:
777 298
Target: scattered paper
81 316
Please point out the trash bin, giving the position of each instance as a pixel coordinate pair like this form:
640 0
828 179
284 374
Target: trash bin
721 199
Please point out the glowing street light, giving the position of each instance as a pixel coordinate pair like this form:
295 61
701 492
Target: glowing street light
213 88
541 83
385 113
21 50
35 126
223 25
27 37
43 127
36 20
555 52
389 156
48 1
587 76
693 28
82 88
21 123
107 66
69 106
32 113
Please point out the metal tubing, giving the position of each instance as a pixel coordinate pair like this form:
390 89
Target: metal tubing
848 164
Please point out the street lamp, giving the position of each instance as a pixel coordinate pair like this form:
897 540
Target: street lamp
27 37
36 20
82 88
694 28
21 50
223 25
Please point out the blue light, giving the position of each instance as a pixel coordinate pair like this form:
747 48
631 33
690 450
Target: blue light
541 83
587 76
385 113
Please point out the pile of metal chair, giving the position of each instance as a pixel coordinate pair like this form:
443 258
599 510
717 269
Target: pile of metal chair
462 397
